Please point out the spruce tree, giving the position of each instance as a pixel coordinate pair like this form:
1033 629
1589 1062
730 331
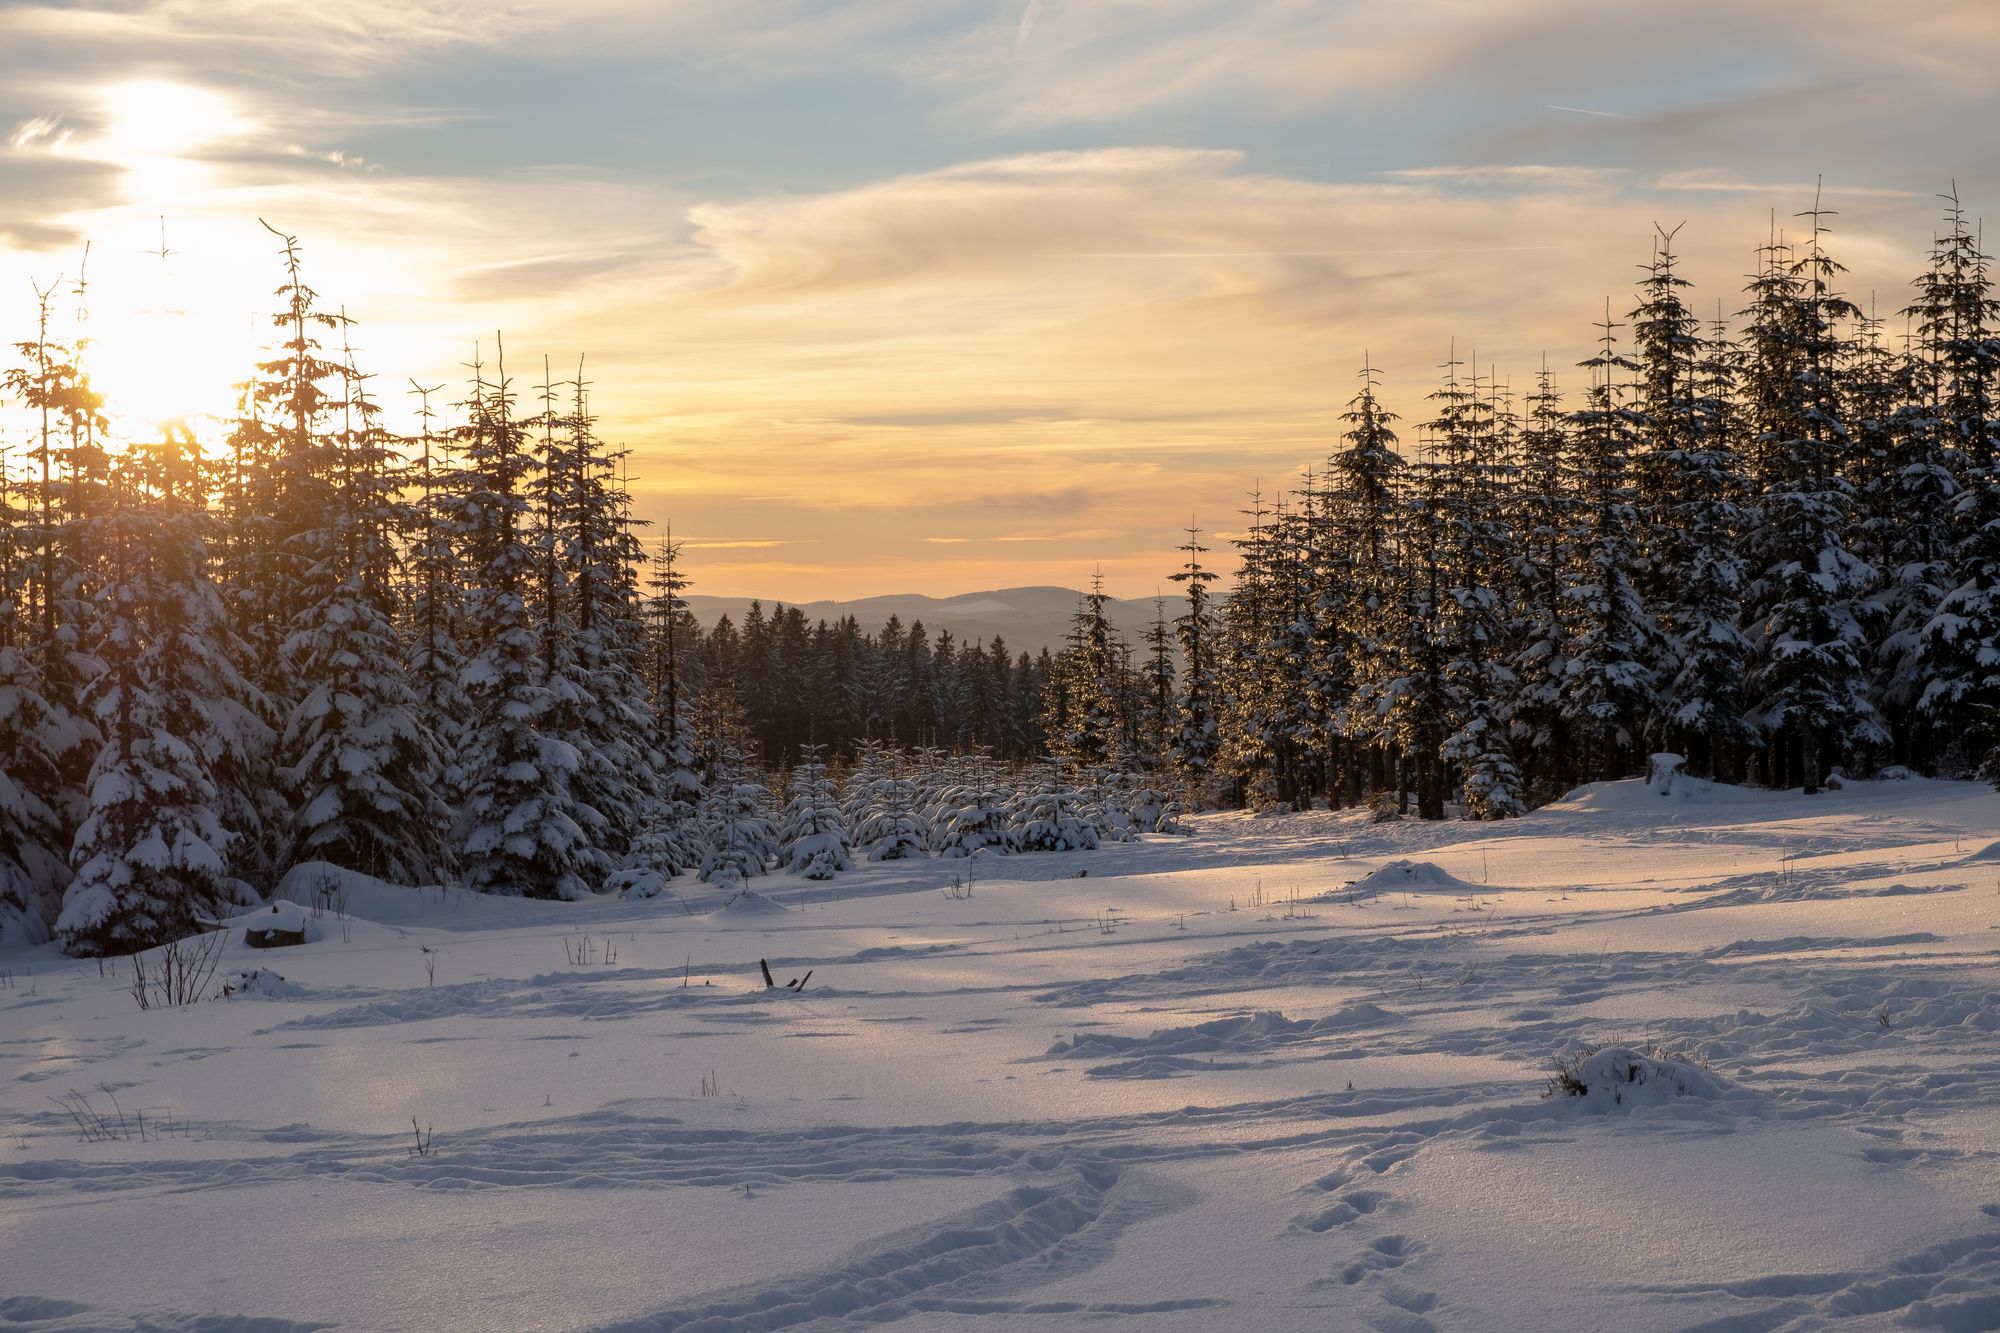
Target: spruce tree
1814 702
520 830
1612 639
150 861
363 766
1954 455
1194 739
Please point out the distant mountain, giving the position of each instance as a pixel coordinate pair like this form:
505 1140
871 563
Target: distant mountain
1029 619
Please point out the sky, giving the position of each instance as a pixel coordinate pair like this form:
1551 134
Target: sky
945 295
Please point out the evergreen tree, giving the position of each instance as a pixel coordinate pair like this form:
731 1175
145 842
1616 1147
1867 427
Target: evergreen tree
1815 705
363 766
1612 639
739 837
1954 456
1358 584
150 861
520 830
1194 740
812 838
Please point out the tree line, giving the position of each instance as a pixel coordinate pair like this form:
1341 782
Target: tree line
1771 549
1769 546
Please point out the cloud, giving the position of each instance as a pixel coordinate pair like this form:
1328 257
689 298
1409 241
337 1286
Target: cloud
1110 261
40 194
1527 176
39 131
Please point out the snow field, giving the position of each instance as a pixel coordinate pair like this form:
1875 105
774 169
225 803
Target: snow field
1064 1099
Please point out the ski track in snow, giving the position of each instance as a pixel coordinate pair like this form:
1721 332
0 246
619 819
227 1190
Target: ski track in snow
1851 987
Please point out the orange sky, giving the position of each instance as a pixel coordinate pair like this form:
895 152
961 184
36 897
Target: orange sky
938 297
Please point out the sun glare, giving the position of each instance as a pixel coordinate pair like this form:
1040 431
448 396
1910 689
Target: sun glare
154 119
157 366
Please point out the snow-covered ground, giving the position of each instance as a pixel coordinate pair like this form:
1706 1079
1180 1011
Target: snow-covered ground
1264 1077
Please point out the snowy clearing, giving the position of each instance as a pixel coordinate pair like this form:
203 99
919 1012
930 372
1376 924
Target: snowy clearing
1284 1073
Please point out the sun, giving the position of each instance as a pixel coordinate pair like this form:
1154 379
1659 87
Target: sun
152 119
157 343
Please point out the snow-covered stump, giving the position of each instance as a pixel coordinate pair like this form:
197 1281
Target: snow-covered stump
280 926
1621 1077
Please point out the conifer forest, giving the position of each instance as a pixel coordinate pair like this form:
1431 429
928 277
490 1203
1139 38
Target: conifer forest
1749 523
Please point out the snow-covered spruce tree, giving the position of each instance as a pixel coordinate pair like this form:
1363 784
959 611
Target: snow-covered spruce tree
1466 444
593 637
1356 577
363 767
35 791
1255 655
1545 505
520 831
931 772
857 791
1667 421
437 613
1688 492
1156 723
672 823
1082 716
1192 748
1612 639
1703 507
739 838
1107 807
811 838
976 816
49 613
1300 730
1882 399
1814 703
1406 691
288 472
1047 816
1958 645
150 860
34 849
890 829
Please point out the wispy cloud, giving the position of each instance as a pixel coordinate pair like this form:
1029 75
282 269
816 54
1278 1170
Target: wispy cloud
847 270
1528 175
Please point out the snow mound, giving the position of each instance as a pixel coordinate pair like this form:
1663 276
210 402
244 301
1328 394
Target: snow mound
1636 796
261 983
321 886
1990 852
282 914
748 902
1615 1078
1409 877
637 882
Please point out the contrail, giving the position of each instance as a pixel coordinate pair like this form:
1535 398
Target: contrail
1586 111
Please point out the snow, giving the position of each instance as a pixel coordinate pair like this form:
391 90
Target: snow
1282 1073
1411 877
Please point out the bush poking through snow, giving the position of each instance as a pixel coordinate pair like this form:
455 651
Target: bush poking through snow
1604 1077
177 972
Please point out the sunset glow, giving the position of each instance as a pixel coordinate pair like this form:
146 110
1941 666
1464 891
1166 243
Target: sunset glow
1064 248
